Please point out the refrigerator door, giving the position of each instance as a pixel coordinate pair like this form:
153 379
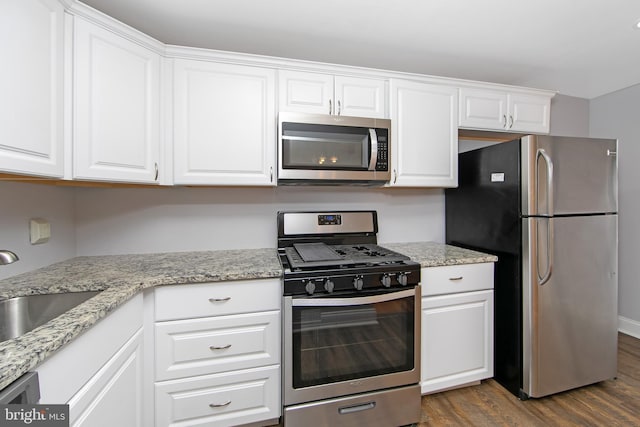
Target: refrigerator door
569 302
565 175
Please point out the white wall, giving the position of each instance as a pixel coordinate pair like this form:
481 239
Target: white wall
19 202
615 115
569 116
111 221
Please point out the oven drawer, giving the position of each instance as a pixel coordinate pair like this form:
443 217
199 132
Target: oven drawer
452 279
217 299
216 344
391 407
230 398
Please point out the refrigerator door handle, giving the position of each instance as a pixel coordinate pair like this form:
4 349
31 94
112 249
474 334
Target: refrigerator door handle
550 238
542 153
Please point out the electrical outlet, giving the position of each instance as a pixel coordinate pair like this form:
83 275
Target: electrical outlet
39 230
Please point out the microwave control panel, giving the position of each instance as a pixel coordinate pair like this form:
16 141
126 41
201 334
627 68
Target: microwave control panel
382 162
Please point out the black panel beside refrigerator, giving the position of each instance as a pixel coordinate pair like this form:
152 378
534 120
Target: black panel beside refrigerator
486 217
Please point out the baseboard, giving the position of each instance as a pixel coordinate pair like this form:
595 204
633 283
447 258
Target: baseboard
629 326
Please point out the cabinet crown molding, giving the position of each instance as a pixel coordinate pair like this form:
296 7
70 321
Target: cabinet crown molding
76 8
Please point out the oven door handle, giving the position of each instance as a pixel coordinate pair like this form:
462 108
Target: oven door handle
347 301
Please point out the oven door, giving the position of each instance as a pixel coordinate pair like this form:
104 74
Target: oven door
351 344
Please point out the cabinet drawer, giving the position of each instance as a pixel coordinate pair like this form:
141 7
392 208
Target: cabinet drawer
231 398
216 344
217 299
451 279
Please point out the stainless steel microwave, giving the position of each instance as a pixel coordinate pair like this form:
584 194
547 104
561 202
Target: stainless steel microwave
318 149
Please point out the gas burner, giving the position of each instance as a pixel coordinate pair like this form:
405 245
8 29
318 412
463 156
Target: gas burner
342 256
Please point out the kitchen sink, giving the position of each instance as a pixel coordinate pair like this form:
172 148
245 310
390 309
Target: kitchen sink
20 315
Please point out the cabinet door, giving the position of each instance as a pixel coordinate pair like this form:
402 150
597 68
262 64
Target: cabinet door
424 140
116 107
305 92
457 340
529 113
483 109
31 87
220 399
360 97
224 124
113 397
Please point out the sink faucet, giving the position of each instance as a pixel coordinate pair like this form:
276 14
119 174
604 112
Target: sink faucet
7 257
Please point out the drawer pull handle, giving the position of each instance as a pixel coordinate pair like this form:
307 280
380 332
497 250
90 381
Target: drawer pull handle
219 405
455 279
219 299
213 347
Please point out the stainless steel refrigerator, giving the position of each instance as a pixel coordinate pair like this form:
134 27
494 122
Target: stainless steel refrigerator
547 207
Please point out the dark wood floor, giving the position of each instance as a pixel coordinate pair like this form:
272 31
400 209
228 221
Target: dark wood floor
610 403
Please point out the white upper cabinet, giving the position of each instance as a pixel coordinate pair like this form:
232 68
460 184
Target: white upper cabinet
504 110
424 135
31 87
116 114
328 94
224 124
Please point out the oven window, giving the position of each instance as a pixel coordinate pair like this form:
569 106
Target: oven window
324 147
339 343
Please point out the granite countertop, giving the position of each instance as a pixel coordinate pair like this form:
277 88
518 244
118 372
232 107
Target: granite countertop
432 254
120 277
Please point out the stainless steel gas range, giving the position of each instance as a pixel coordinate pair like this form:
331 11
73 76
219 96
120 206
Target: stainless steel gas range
351 323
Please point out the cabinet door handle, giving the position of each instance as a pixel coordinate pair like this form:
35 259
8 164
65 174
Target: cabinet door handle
330 107
214 347
510 121
455 279
395 176
155 177
271 174
504 121
339 107
219 405
219 299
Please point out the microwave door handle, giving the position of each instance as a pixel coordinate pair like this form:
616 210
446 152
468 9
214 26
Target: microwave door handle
374 149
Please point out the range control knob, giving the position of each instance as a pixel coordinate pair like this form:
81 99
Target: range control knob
385 280
310 287
328 285
358 282
402 279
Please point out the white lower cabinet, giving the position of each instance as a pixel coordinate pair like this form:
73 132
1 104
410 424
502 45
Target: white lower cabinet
457 326
222 399
100 402
217 360
100 374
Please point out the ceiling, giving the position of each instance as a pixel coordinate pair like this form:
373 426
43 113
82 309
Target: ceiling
583 48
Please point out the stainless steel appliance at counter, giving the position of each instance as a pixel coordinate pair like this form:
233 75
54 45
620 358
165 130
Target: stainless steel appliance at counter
547 207
351 323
